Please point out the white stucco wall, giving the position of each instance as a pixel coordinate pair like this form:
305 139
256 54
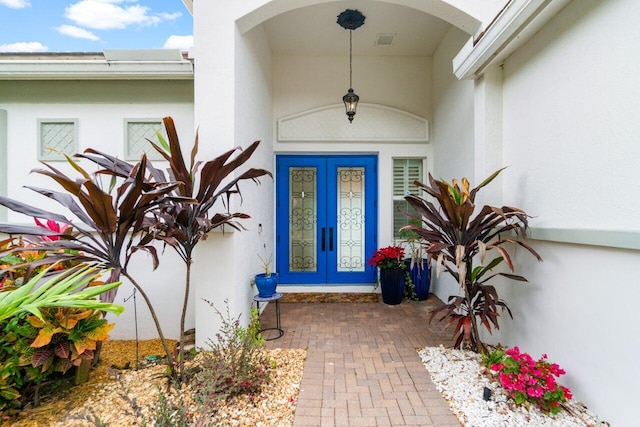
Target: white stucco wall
571 117
453 113
453 130
100 109
238 71
570 139
3 160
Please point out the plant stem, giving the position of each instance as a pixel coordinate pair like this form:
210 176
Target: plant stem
163 340
182 319
479 347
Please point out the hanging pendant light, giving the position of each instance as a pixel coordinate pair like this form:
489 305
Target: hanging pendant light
350 20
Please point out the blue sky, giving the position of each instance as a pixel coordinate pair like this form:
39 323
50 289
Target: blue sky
93 25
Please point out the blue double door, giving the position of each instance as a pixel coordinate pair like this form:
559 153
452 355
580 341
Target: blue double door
326 218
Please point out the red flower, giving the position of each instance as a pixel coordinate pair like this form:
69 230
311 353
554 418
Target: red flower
389 257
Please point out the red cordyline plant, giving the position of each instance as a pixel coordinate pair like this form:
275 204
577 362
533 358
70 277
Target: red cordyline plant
111 214
183 220
388 258
457 241
527 380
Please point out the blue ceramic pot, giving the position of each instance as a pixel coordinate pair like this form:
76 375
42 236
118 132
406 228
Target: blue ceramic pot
421 277
266 284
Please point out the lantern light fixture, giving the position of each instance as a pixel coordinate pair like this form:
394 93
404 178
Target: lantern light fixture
350 20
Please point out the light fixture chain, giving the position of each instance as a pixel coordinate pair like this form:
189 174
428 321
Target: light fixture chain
350 58
350 20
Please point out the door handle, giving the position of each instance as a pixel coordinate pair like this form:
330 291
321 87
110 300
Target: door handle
322 245
330 238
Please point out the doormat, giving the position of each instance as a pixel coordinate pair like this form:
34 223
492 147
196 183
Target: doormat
329 297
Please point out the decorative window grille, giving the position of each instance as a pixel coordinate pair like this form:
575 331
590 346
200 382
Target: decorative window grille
136 133
405 172
57 137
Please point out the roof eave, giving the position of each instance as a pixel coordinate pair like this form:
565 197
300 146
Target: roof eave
515 24
93 70
189 5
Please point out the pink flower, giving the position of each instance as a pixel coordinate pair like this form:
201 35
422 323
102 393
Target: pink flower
53 226
527 380
534 391
497 367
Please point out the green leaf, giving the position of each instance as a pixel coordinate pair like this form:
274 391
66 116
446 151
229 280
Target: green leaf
9 393
483 270
58 291
163 142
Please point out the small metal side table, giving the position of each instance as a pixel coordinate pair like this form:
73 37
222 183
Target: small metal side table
275 297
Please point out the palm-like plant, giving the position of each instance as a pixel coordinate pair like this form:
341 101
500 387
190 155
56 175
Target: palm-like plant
183 220
456 240
112 217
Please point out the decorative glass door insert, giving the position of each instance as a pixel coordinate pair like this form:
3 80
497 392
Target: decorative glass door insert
303 189
351 214
326 218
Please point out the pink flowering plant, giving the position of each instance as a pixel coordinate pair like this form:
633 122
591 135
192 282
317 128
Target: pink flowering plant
527 380
388 258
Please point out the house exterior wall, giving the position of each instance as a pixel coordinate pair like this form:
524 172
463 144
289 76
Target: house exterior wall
453 129
570 139
235 68
100 108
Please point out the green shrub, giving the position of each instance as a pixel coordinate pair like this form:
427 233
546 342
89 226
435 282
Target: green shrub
167 412
16 373
235 364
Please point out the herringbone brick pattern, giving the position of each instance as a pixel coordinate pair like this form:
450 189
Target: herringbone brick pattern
362 368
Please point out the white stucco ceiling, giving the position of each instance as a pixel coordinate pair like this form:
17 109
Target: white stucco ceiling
313 30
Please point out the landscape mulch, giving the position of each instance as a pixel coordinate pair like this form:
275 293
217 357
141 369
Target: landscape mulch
114 384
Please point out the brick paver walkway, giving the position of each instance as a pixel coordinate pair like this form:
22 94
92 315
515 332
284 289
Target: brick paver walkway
362 368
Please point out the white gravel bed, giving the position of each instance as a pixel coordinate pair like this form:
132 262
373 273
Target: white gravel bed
460 377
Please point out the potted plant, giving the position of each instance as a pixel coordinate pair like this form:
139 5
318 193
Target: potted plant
418 266
390 261
266 282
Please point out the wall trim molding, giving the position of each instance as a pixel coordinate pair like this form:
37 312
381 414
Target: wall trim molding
623 239
372 123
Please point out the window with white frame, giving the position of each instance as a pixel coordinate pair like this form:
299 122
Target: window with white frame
57 137
405 172
137 131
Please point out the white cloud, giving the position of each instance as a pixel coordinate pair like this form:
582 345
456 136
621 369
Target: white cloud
15 4
179 42
76 32
169 16
23 47
110 15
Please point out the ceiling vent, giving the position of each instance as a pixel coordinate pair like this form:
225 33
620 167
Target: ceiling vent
384 39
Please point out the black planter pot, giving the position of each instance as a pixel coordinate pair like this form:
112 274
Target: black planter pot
421 277
392 284
266 284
